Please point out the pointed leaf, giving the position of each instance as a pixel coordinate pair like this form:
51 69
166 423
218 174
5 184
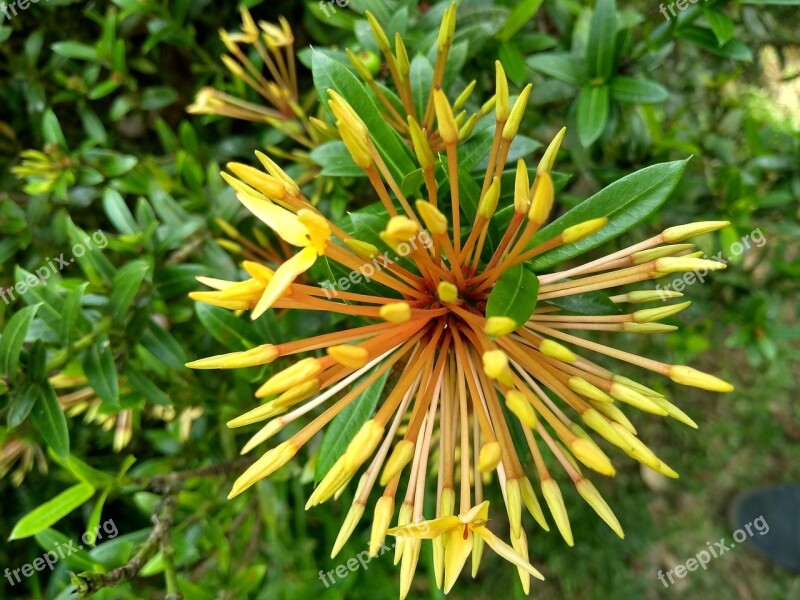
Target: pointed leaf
52 511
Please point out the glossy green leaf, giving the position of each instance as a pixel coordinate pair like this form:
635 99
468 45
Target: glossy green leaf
329 74
421 76
626 202
514 295
346 424
50 421
593 105
164 347
52 511
235 333
602 39
75 50
50 539
637 91
513 62
13 339
98 365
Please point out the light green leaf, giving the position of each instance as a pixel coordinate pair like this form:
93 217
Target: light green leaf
721 24
52 511
514 295
421 77
523 13
335 160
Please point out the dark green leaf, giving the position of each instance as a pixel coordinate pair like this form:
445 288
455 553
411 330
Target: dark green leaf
346 424
98 365
22 401
590 303
625 203
72 312
329 74
13 339
706 39
125 286
49 420
514 295
235 333
513 62
421 77
164 347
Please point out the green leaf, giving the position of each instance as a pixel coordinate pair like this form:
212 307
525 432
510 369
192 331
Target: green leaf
164 347
637 91
421 76
513 62
335 160
602 39
346 424
125 286
149 390
157 97
13 339
98 365
50 539
523 13
626 202
72 312
81 471
75 50
52 511
50 421
235 333
705 38
329 74
721 24
514 295
51 130
562 66
590 303
23 399
593 105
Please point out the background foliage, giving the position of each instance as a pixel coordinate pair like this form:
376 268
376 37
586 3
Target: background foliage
94 98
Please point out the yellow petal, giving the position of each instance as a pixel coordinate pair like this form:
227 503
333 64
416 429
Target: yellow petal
427 530
283 278
506 551
283 222
456 552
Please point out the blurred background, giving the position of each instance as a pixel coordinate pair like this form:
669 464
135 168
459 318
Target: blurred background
96 144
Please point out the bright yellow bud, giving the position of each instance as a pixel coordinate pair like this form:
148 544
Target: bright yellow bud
549 156
354 357
448 129
260 355
434 219
488 204
501 93
542 201
515 117
497 326
298 373
489 457
583 230
519 404
495 365
558 351
693 377
396 312
446 291
522 192
682 232
555 502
